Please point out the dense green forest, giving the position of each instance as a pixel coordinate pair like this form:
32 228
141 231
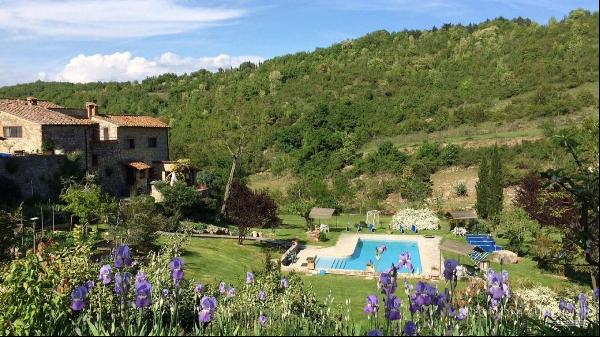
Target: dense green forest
309 113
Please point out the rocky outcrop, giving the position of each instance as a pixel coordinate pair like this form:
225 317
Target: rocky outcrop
504 256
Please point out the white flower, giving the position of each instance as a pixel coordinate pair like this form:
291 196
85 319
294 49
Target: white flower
423 219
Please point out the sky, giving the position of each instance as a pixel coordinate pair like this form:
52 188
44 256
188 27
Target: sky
126 40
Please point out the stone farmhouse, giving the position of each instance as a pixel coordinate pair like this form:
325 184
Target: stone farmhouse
126 152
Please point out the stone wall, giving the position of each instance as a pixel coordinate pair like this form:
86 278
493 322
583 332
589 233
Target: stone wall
31 141
142 152
35 175
109 166
70 138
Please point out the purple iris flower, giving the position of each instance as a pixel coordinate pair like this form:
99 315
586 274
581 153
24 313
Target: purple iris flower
249 277
199 288
222 288
450 269
375 332
90 285
208 306
388 282
122 282
497 286
262 295
425 295
284 283
392 305
372 306
230 292
143 294
547 315
165 293
177 269
122 256
596 294
208 303
583 307
565 306
462 313
262 320
140 278
105 274
78 298
410 329
205 316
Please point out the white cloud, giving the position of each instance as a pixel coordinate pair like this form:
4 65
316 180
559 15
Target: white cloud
99 19
126 67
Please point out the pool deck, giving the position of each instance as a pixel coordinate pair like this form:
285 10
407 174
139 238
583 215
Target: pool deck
429 252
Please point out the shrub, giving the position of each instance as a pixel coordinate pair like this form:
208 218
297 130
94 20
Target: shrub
140 221
179 199
423 219
460 190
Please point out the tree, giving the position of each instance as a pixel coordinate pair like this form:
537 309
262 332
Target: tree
490 186
482 189
495 185
579 178
87 202
235 141
250 209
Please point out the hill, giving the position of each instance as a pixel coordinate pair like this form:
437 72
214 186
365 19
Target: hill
316 114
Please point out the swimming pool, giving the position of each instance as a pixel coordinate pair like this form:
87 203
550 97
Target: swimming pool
365 252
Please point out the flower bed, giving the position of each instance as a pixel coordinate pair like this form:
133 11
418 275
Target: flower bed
151 296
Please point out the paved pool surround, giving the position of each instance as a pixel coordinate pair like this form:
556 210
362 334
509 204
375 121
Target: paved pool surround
429 252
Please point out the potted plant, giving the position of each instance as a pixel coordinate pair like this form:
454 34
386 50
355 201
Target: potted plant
47 147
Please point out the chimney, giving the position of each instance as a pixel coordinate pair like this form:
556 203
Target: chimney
91 108
31 100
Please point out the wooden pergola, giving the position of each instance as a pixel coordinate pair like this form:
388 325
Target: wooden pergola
462 216
318 213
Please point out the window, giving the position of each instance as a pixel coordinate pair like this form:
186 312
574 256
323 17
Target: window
152 142
106 134
131 143
13 131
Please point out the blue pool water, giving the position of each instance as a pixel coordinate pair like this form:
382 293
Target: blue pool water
365 252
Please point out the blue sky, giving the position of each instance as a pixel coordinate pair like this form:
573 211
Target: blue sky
92 40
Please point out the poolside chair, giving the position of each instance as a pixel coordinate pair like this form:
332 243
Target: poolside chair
414 229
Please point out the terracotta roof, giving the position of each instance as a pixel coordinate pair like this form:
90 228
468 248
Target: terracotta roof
133 121
40 113
139 165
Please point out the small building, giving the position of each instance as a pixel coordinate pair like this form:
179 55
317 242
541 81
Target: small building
462 217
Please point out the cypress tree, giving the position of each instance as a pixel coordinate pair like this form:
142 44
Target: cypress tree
482 189
496 184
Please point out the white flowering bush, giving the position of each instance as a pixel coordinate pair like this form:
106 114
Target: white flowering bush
540 302
423 219
459 231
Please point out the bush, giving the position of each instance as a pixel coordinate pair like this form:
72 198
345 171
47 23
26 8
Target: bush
179 200
516 226
546 251
460 190
140 221
423 219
